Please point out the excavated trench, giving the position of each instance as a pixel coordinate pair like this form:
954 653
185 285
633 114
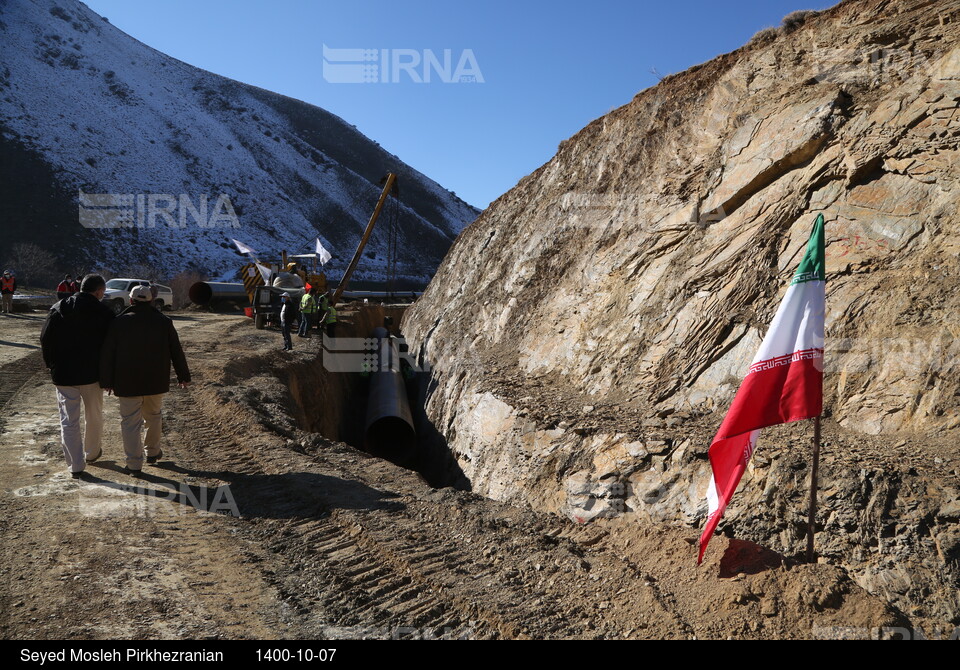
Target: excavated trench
332 397
903 571
890 526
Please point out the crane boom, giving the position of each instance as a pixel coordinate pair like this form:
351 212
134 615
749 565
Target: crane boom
391 181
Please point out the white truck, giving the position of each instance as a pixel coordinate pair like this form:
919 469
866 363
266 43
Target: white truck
117 295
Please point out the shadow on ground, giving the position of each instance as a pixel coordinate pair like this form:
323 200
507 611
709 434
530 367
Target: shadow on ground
283 496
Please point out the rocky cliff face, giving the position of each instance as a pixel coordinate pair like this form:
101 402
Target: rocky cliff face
588 331
86 108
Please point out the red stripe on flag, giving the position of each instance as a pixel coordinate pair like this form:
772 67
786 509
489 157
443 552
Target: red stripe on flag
728 458
787 388
779 394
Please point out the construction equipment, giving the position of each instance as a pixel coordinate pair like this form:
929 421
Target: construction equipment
266 299
390 184
289 276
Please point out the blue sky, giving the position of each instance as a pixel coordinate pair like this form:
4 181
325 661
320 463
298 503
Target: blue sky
548 68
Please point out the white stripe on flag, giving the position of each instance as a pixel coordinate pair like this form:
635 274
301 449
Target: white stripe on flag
798 324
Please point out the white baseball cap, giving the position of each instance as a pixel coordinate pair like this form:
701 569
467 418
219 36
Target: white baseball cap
141 294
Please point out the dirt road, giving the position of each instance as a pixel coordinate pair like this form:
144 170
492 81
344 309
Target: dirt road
250 527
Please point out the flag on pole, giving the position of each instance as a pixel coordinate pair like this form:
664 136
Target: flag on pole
322 254
784 382
265 272
244 249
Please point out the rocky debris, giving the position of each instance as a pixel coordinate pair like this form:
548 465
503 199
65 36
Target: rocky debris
638 269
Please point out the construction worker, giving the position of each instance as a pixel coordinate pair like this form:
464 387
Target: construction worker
8 285
308 310
331 320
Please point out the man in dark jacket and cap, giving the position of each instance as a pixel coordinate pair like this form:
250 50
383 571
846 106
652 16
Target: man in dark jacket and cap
71 340
135 366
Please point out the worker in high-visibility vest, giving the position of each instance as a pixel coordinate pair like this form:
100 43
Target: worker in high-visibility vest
308 308
331 320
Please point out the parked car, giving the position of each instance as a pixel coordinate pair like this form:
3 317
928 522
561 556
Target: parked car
117 295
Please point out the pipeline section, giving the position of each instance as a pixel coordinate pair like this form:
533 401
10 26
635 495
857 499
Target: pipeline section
205 292
388 429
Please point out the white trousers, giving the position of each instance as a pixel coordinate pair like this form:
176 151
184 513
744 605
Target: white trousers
69 399
135 411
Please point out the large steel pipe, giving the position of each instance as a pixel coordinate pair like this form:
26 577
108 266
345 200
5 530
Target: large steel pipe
388 430
205 292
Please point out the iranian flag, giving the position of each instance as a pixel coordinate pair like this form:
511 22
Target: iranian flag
784 382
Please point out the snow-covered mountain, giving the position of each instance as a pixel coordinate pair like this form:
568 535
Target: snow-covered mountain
87 109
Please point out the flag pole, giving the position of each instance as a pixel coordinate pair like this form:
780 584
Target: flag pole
811 519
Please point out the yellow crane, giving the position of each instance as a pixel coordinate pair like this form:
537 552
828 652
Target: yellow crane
389 185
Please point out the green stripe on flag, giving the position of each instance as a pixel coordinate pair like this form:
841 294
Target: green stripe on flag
812 267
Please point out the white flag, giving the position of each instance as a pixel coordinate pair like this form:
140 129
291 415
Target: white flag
265 273
244 249
322 254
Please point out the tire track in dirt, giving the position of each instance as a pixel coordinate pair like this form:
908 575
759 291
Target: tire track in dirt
352 560
15 376
109 556
362 583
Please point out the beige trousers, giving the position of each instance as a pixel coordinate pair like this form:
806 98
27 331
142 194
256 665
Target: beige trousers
69 399
135 411
8 303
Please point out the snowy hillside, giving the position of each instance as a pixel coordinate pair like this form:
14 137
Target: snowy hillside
86 108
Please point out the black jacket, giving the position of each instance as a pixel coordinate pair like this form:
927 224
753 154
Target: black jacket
72 337
137 353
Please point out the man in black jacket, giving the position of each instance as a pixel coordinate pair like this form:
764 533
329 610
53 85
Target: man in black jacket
71 340
135 365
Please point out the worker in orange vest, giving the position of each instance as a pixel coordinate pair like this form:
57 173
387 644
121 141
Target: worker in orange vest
8 285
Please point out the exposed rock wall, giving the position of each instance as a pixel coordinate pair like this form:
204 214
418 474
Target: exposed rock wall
587 332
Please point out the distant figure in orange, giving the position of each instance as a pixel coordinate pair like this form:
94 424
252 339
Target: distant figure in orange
8 286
